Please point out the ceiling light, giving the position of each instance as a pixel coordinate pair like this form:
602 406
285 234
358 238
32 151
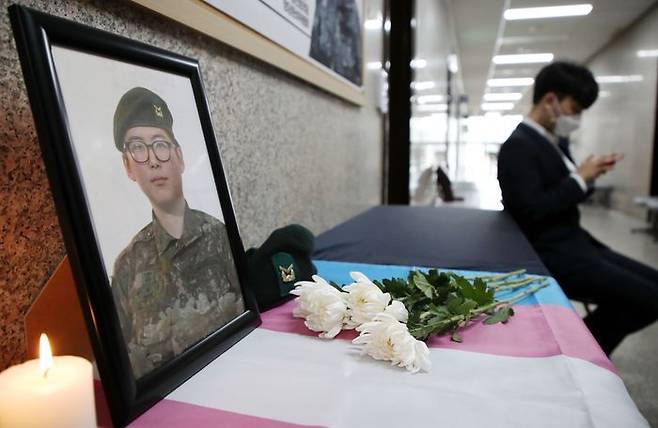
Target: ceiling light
375 65
523 58
419 86
453 63
512 81
373 24
515 71
503 96
432 107
497 106
620 79
548 12
524 40
418 63
428 99
647 53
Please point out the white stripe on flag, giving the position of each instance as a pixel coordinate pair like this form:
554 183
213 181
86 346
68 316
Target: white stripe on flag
307 380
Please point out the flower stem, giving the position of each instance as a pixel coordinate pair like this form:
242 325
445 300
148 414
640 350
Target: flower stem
514 284
439 324
499 277
523 294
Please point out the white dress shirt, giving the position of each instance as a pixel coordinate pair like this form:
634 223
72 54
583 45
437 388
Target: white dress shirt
553 141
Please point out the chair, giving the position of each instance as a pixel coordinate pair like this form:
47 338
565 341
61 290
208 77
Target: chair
651 203
444 186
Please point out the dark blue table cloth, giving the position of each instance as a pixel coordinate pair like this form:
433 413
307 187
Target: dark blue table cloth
446 237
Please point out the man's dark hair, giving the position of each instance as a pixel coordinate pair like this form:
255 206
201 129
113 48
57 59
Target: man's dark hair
566 78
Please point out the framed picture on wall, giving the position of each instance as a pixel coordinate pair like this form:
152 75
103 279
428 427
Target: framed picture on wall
143 203
326 33
319 41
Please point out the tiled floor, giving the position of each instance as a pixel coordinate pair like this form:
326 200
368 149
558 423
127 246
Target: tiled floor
637 357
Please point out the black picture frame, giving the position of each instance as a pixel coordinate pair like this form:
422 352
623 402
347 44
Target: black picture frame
35 34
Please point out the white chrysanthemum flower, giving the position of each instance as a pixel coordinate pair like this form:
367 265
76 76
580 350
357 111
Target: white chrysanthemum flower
397 310
385 338
322 306
365 300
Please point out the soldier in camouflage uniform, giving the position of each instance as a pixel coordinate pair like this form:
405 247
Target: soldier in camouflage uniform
175 282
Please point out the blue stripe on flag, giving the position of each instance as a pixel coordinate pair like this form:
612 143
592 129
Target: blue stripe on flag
338 272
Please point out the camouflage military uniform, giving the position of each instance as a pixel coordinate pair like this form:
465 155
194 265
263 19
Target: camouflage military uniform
170 293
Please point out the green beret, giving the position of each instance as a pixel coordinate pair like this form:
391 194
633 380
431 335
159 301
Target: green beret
140 107
282 260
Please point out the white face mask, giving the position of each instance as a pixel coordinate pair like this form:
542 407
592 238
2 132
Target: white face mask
566 124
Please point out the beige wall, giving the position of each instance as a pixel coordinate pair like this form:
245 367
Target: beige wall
292 153
623 118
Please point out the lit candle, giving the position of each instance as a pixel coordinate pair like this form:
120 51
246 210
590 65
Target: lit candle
48 392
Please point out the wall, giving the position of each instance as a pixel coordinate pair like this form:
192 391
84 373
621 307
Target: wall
292 153
623 119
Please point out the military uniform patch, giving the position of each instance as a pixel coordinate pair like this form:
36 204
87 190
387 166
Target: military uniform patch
158 110
284 266
287 274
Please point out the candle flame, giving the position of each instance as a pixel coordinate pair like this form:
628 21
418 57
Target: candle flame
45 354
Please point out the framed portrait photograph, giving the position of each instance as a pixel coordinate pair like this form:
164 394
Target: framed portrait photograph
143 203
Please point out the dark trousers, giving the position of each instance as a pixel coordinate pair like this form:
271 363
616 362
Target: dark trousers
625 292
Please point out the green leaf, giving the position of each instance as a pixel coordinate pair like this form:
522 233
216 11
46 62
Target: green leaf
466 307
335 285
477 291
422 284
439 310
432 276
414 318
483 294
453 302
437 279
397 287
423 316
501 315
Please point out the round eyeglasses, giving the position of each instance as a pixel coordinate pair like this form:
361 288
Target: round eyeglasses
140 152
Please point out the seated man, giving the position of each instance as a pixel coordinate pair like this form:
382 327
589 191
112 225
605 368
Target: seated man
175 282
542 188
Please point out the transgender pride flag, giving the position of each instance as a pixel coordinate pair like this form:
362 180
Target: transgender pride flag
541 369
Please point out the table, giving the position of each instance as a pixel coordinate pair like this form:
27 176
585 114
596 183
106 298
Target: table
542 369
447 237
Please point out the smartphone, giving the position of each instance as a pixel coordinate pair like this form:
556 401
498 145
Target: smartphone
614 158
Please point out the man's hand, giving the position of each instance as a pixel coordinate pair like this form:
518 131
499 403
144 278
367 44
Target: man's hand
595 166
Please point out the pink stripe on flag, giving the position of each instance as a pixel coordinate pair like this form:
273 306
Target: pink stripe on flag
534 331
176 414
281 319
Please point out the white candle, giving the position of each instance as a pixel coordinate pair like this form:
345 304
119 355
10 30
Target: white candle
36 394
